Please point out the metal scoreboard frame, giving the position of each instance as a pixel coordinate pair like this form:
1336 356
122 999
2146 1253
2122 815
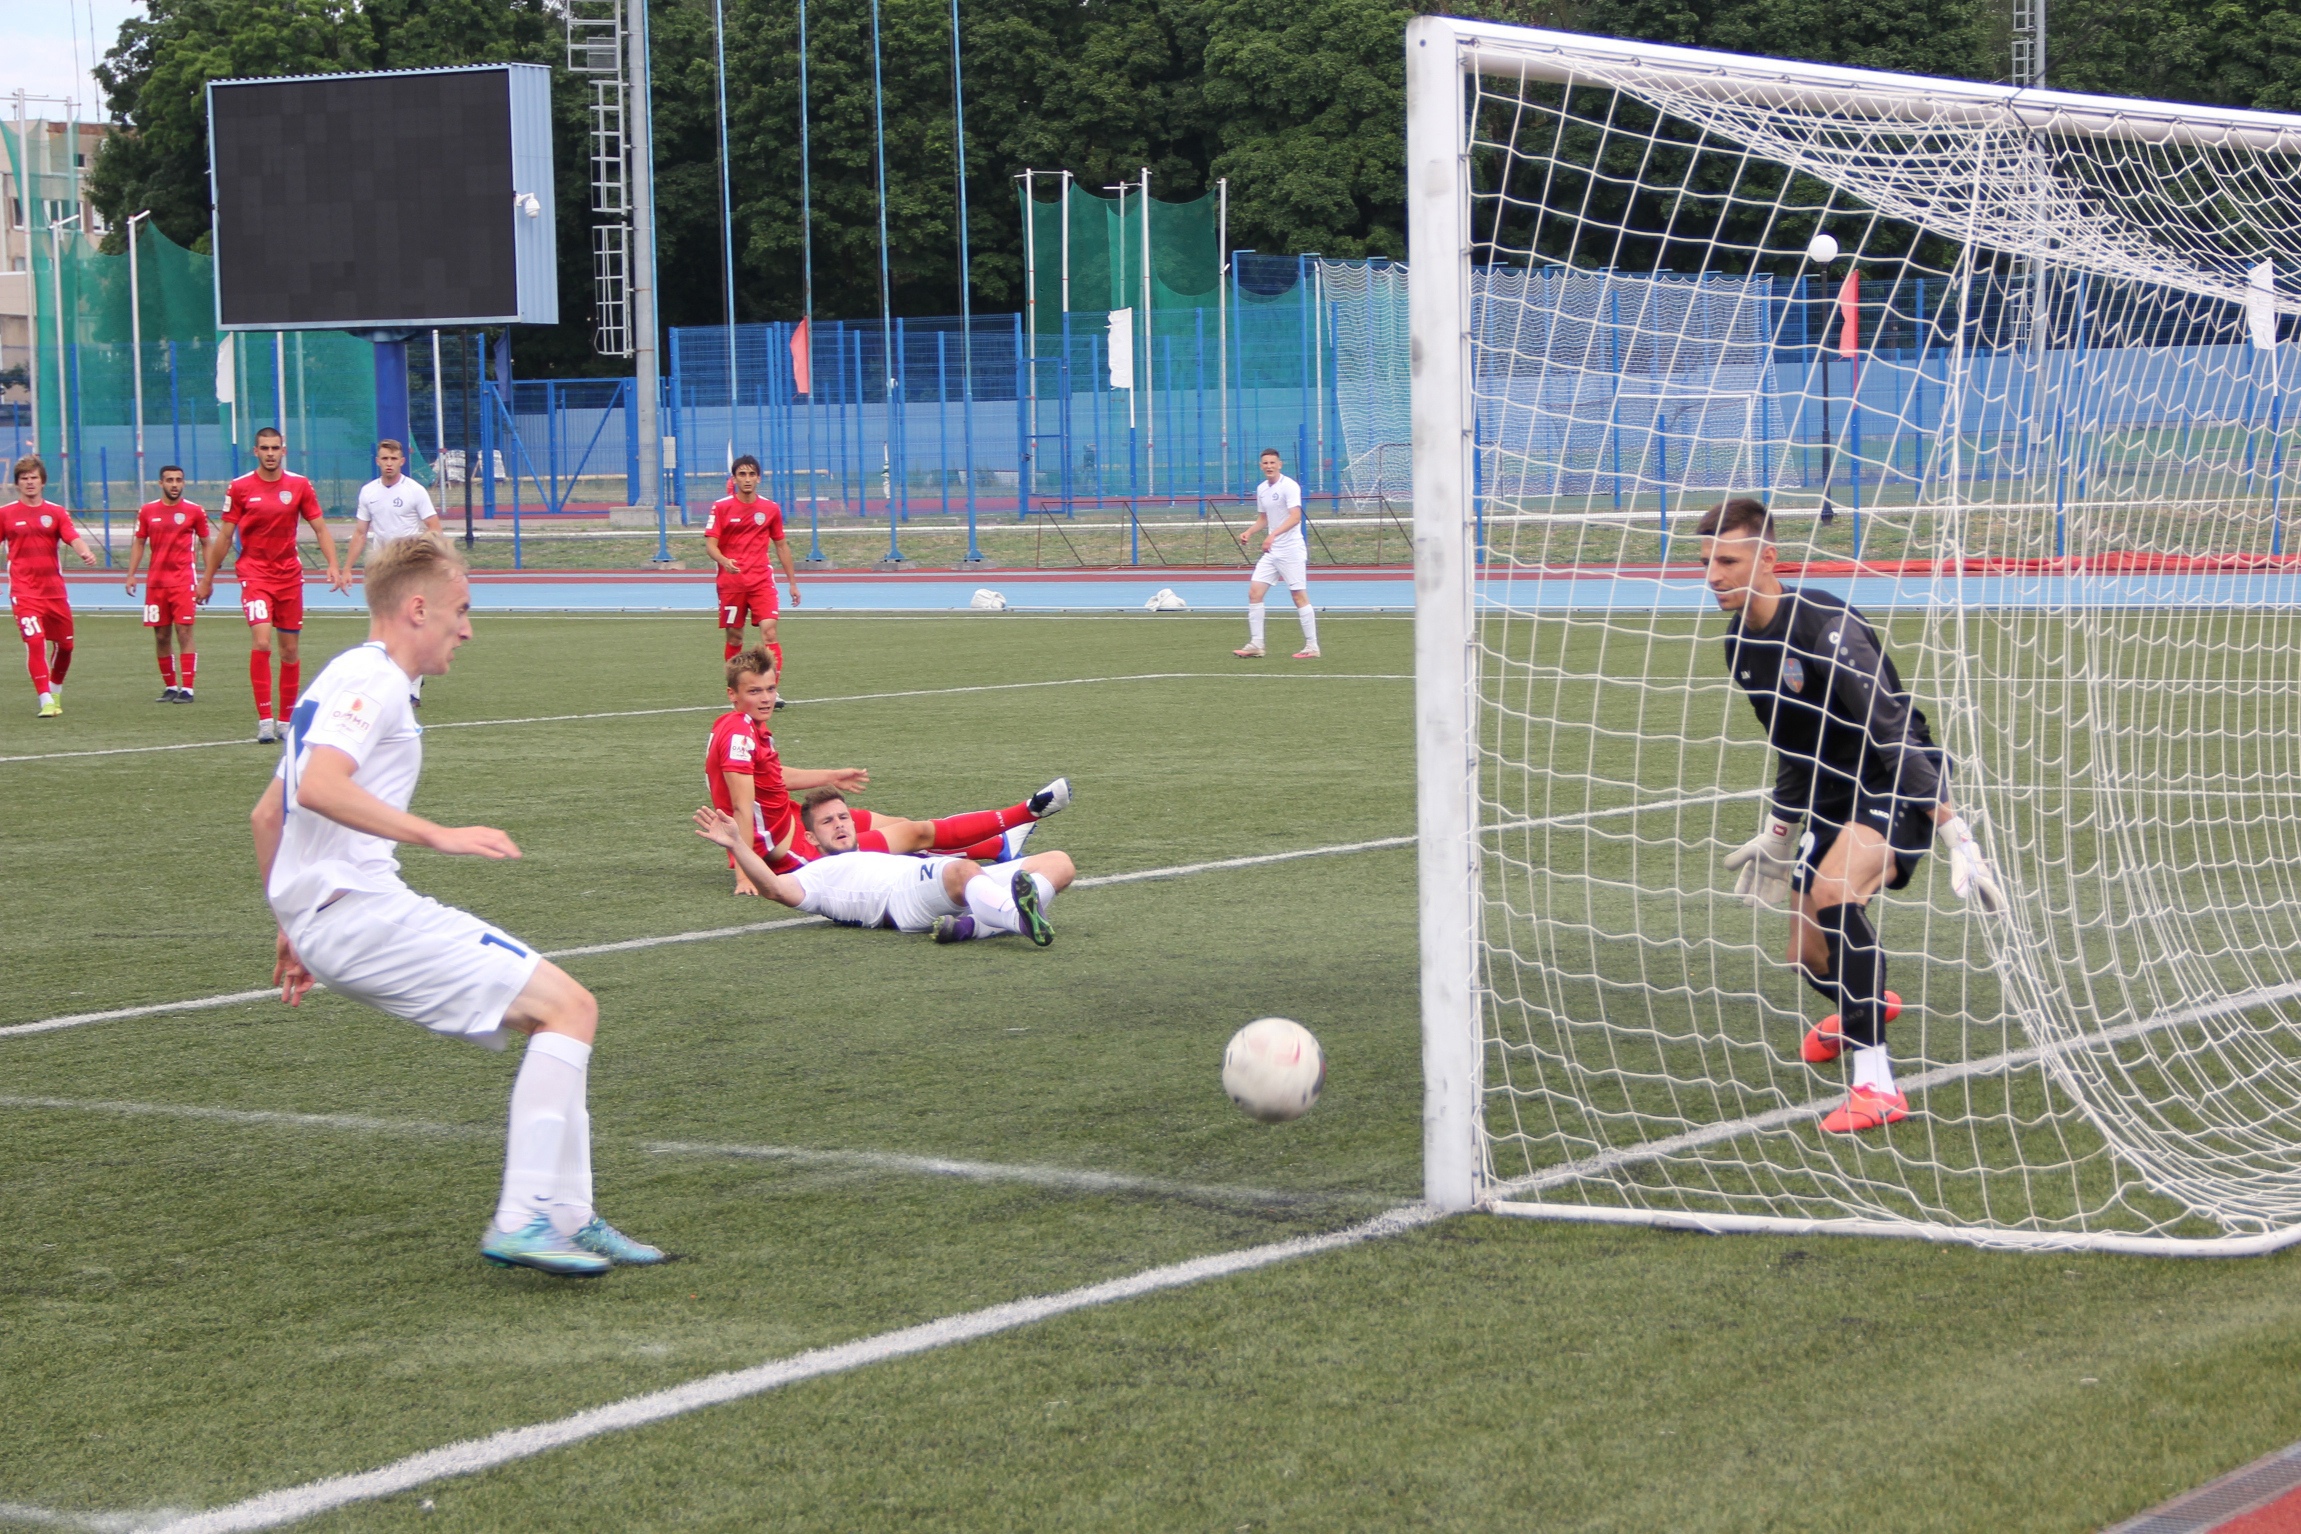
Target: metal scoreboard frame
529 205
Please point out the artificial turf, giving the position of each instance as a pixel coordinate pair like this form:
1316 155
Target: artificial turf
195 1309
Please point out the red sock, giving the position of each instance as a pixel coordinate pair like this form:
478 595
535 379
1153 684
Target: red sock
775 650
187 664
167 671
734 648
60 663
956 831
291 676
260 681
36 662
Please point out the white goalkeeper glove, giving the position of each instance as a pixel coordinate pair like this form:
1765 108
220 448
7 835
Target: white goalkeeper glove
1969 871
1764 863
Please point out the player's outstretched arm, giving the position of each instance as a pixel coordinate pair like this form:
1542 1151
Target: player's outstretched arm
1970 875
848 780
1764 862
325 787
717 826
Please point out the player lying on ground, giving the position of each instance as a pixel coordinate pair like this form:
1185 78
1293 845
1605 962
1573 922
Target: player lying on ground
1856 762
747 779
743 528
348 769
177 532
31 530
881 889
263 509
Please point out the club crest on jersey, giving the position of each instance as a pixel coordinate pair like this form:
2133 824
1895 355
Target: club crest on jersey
285 497
179 519
759 517
1794 674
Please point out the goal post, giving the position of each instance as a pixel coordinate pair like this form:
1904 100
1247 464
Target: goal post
2026 408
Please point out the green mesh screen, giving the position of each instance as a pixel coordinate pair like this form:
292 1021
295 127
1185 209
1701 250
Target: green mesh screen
317 386
1106 254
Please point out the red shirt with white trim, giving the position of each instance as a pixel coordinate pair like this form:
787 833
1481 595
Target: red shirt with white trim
32 534
747 534
173 531
266 513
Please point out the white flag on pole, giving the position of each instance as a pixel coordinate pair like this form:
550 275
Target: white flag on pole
2261 305
1122 348
225 393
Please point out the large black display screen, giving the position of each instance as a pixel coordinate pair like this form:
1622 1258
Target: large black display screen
364 200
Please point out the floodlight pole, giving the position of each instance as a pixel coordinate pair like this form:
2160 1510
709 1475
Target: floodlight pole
136 346
645 384
726 217
1222 319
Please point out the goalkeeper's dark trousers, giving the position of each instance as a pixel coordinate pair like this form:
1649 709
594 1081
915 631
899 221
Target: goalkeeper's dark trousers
1857 977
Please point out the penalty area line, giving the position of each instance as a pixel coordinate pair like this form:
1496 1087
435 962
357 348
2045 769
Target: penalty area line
706 935
720 708
293 1504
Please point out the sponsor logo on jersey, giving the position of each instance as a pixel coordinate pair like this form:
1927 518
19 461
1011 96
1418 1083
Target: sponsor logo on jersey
739 749
1833 636
352 714
1794 674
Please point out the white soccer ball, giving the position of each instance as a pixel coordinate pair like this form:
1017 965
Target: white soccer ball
1822 250
1273 1069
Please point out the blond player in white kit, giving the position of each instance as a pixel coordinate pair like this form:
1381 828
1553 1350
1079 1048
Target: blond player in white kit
326 828
1285 556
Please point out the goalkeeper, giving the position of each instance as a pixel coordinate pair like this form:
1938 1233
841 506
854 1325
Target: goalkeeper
1855 762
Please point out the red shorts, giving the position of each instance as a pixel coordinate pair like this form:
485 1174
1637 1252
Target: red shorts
276 600
46 618
169 604
743 602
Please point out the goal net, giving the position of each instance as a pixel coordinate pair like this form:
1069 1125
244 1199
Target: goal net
2032 419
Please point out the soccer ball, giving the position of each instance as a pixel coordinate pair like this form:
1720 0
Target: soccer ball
1273 1069
1822 250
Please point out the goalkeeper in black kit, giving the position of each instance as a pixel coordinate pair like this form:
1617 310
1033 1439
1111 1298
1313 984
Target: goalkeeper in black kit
1855 763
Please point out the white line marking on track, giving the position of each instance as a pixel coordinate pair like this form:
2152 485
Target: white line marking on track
720 708
708 934
273 1509
1081 1180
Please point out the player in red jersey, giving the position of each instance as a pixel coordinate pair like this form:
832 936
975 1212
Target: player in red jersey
264 508
743 529
173 527
31 529
747 779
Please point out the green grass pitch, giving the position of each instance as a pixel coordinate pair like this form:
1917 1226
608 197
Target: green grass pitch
197 1309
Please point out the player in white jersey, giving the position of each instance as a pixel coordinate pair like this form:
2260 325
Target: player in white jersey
326 829
391 506
1285 557
893 890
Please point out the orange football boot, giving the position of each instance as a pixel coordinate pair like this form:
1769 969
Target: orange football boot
1826 1038
1866 1108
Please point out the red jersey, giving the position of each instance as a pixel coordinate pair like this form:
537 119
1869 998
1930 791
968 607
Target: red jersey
32 533
747 533
734 748
173 532
266 515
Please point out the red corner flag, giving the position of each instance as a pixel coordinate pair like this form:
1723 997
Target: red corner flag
1850 310
800 348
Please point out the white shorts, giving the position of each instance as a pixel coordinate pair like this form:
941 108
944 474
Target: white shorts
408 955
1281 569
914 906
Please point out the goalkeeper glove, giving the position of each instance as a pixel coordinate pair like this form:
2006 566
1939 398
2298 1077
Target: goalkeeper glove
1764 864
1969 872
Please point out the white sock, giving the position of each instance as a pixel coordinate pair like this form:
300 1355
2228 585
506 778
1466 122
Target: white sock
992 902
546 1102
1309 617
1254 624
571 1193
1873 1069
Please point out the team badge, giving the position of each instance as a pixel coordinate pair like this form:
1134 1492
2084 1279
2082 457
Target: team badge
179 519
285 497
759 517
47 521
1794 674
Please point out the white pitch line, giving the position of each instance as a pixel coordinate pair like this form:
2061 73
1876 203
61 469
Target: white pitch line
95 1523
858 697
708 934
1940 1076
1074 1178
273 1509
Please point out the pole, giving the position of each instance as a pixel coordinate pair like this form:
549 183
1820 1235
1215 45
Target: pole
966 295
1150 384
807 301
438 401
645 367
1222 319
726 215
32 288
468 351
1031 298
63 371
1066 242
886 297
136 347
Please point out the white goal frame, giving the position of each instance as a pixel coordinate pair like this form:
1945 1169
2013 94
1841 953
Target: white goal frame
1442 55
